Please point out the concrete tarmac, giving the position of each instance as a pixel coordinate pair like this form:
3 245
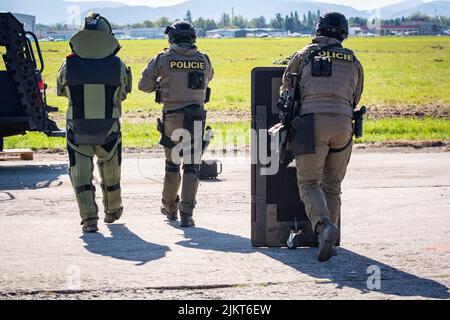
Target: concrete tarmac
396 229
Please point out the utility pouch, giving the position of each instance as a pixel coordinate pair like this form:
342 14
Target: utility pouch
91 132
196 80
303 135
358 122
129 86
193 114
208 95
321 67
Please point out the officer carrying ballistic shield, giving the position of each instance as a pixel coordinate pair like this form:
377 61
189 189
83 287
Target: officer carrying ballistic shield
330 83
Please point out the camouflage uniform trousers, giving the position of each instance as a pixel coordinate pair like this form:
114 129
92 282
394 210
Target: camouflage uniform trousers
173 180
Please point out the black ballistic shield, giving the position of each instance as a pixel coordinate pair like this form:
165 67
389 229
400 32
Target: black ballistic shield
276 205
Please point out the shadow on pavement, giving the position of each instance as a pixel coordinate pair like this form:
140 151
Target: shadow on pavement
349 269
31 177
124 245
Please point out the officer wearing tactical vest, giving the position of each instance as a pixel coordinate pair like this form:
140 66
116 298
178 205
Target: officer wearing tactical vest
95 81
331 83
180 77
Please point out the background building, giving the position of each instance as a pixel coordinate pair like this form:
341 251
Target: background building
412 28
249 32
226 33
146 33
28 21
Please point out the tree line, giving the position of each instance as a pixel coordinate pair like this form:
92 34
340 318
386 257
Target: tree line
293 22
440 21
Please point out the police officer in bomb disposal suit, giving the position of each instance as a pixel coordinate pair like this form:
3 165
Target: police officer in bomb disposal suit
331 83
95 81
180 77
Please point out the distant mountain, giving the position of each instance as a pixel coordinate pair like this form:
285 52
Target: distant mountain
51 11
202 8
440 8
54 11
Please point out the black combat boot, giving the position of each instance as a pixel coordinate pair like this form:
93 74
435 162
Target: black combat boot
90 225
113 217
171 215
170 210
328 235
186 220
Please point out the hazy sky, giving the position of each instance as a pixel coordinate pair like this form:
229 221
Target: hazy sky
358 4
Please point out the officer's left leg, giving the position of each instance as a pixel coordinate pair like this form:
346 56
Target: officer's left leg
334 173
172 178
109 165
336 164
191 178
309 175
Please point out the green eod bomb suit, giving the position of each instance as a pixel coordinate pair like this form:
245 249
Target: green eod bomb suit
95 81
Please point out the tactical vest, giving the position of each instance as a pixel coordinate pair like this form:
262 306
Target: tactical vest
92 84
187 79
337 86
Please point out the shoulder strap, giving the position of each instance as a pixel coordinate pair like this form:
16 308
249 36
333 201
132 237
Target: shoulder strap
207 57
306 61
314 52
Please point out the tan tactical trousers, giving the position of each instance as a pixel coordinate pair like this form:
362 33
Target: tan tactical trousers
81 174
320 175
170 200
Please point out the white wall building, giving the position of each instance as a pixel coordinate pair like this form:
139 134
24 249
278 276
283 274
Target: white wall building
29 22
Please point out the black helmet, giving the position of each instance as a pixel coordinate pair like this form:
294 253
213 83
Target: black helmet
181 31
334 25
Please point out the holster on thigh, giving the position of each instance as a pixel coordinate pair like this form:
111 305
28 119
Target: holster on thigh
195 119
303 135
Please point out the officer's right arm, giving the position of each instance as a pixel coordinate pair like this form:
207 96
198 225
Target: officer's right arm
210 69
293 67
149 80
61 81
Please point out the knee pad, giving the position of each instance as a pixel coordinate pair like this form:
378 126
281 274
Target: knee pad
172 167
192 169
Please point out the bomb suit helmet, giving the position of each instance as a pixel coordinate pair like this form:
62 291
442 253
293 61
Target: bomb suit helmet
94 21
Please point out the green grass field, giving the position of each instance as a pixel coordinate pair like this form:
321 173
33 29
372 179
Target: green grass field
237 134
400 72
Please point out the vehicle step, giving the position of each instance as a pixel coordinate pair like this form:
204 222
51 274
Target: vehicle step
16 154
